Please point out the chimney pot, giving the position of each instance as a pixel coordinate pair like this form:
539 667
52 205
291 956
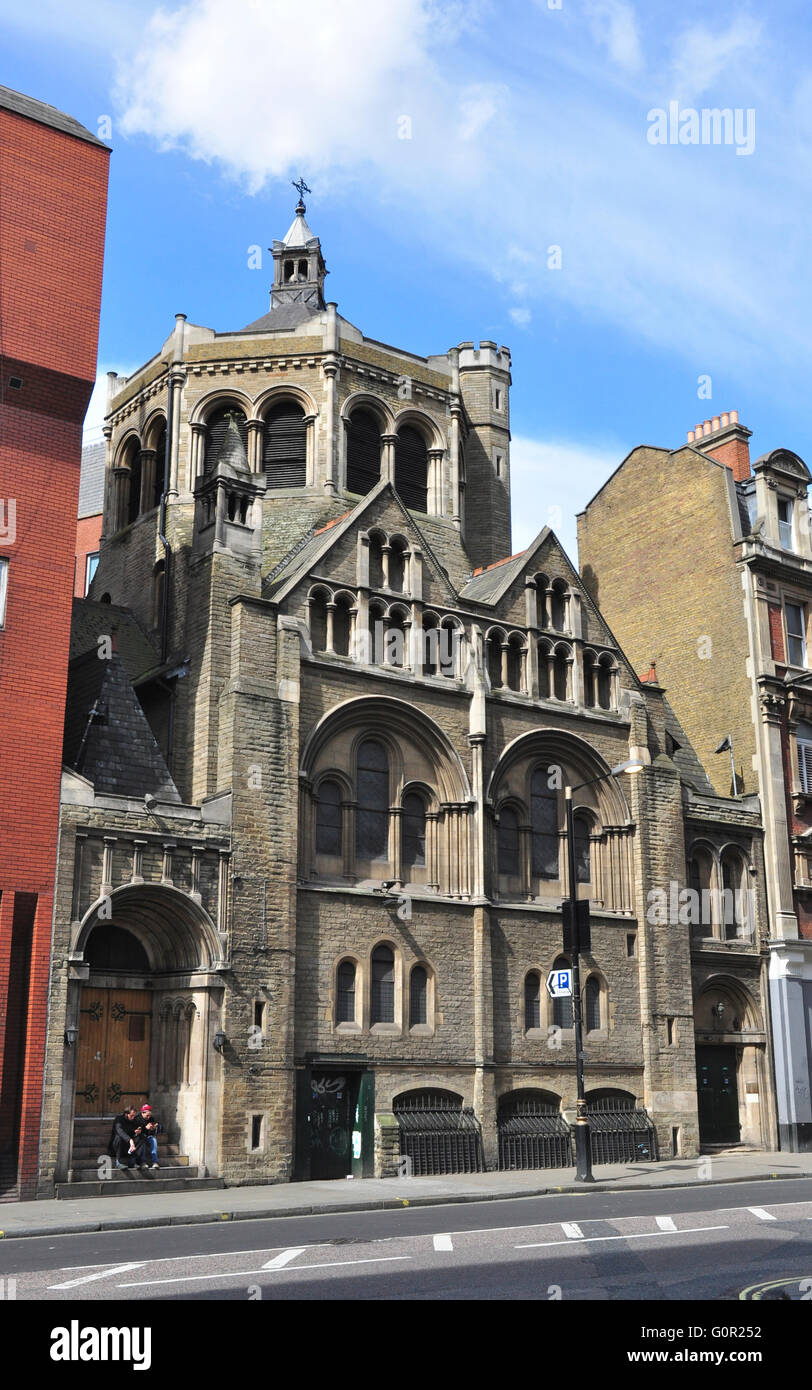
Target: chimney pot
690 436
725 420
715 423
734 417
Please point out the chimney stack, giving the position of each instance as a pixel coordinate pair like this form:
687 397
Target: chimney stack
724 439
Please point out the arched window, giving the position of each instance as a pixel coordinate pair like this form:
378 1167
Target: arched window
450 648
558 605
593 1004
544 826
328 819
284 447
395 653
508 842
376 561
431 646
377 632
342 625
372 818
544 670
363 452
540 583
216 431
605 683
583 869
532 1001
561 676
397 567
700 873
418 996
414 831
412 469
562 1008
734 913
494 659
318 621
160 464
345 993
382 1003
515 664
134 495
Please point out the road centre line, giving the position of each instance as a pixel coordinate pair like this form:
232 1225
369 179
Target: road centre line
443 1243
666 1223
762 1214
636 1235
572 1230
247 1273
279 1261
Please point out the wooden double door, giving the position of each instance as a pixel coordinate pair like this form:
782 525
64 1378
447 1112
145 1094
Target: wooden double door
112 1063
718 1095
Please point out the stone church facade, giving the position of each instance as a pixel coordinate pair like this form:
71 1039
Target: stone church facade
320 721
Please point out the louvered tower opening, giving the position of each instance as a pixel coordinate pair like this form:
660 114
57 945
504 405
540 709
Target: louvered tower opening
216 431
363 452
412 469
284 451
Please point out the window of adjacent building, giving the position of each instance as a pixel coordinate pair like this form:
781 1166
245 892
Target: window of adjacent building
418 996
532 1001
785 521
544 826
3 591
372 821
345 993
383 986
805 756
795 617
91 565
328 819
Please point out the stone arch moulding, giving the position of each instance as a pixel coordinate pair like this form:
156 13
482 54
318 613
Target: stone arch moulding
156 421
282 391
176 933
559 747
367 400
219 399
381 715
424 424
750 1016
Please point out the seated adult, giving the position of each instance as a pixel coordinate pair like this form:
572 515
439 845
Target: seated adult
150 1129
124 1138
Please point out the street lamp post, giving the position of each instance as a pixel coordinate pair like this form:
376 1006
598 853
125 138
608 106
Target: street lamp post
583 1148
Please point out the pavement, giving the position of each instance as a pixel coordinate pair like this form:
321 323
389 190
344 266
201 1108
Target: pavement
128 1212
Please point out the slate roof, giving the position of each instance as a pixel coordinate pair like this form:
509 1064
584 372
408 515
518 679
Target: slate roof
287 315
91 480
488 586
684 758
114 748
91 620
46 115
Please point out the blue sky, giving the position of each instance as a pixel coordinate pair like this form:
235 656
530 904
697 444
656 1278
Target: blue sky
528 128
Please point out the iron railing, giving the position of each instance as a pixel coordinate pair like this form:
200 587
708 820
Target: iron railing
620 1133
533 1134
438 1134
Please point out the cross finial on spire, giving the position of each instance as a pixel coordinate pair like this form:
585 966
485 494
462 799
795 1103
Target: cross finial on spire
302 188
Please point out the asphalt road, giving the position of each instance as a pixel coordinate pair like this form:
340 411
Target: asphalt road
671 1244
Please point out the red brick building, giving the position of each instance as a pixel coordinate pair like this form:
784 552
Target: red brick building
54 178
89 522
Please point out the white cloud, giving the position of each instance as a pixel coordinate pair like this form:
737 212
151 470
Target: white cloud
521 317
614 24
552 480
702 55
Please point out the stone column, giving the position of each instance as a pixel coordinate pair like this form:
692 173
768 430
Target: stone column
148 466
255 429
197 457
388 442
435 501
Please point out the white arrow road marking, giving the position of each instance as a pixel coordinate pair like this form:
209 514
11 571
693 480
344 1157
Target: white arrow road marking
572 1230
101 1274
762 1214
246 1273
279 1261
666 1223
443 1243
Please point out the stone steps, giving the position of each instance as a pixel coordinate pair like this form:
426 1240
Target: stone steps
134 1181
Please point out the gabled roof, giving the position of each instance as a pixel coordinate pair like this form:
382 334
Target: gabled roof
298 233
491 583
305 557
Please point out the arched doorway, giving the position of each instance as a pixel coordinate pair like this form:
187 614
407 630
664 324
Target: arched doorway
730 1062
144 1001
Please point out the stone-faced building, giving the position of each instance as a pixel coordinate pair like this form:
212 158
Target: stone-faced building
704 564
313 853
